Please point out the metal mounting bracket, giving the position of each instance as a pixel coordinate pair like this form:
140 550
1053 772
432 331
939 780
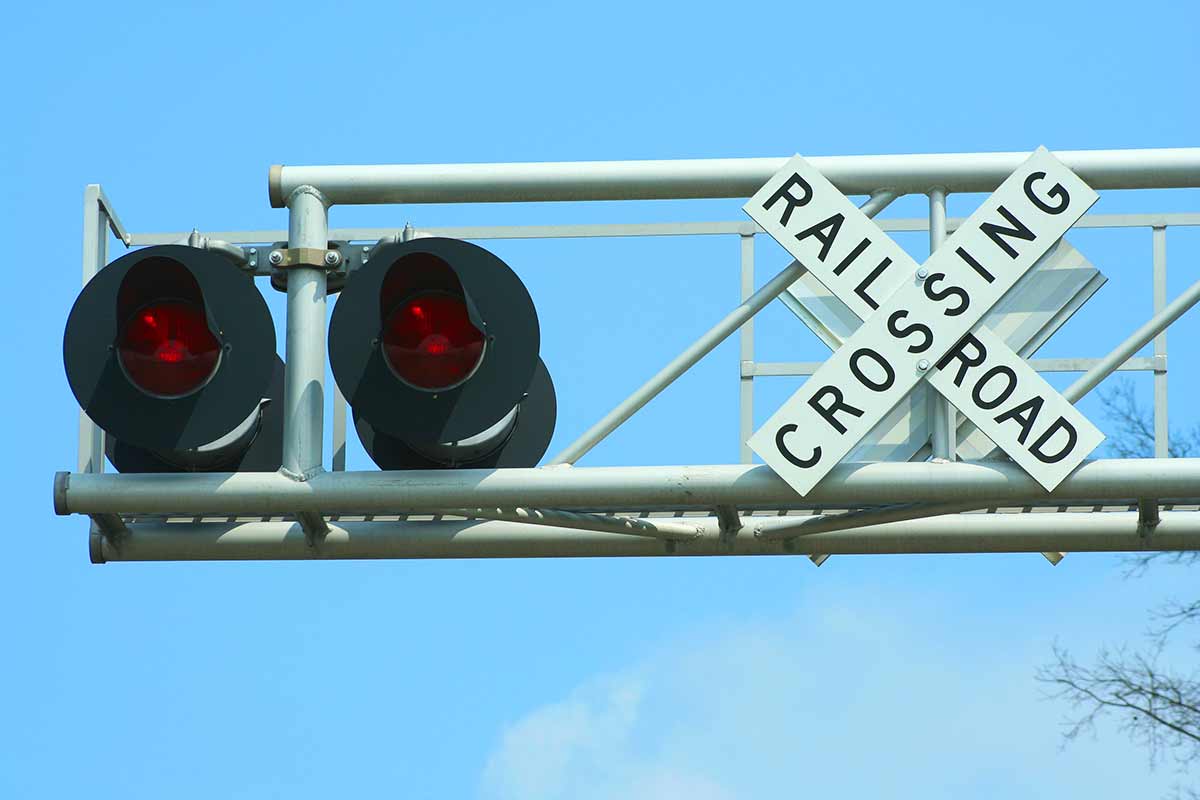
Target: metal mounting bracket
309 257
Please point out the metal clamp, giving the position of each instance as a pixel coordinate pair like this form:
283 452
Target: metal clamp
309 257
1148 517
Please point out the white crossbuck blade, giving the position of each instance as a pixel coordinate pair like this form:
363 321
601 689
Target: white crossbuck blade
1060 283
921 327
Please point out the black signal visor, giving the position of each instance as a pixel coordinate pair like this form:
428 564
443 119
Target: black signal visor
522 445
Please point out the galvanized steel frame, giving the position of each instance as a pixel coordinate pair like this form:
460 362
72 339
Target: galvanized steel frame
912 507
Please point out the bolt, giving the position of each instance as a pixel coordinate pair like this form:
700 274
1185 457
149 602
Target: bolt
923 364
922 274
275 258
332 258
253 251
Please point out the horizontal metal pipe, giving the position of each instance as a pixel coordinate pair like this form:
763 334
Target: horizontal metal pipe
770 369
720 177
970 533
640 229
848 485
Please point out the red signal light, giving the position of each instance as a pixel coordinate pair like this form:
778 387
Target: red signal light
430 342
167 349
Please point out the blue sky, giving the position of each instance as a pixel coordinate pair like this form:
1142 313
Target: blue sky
558 678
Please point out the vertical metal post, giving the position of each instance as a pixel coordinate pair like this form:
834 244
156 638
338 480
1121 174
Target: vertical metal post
95 256
304 385
944 422
339 430
1161 430
746 339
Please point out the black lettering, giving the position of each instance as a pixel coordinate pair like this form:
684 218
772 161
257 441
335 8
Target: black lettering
963 300
901 333
839 404
889 374
834 224
1059 424
965 362
1025 414
849 259
785 193
977 392
861 289
1056 191
975 265
1017 231
803 463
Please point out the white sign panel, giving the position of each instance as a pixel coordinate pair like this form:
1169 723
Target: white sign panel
907 332
1015 407
818 225
1061 282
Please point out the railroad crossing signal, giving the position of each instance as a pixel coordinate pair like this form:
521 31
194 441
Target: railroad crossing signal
172 352
919 321
434 343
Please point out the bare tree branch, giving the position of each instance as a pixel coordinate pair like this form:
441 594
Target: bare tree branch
1136 565
1156 706
1158 709
1132 435
1172 615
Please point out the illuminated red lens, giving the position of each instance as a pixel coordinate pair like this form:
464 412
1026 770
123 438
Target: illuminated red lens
430 342
167 349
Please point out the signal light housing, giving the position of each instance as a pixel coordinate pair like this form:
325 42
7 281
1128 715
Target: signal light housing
434 343
171 351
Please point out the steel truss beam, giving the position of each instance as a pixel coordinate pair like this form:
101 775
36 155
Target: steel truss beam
884 499
746 228
616 488
968 533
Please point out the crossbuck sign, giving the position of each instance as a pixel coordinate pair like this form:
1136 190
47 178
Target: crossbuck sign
922 323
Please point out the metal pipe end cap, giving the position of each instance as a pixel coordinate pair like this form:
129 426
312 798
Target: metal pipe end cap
96 548
275 186
61 481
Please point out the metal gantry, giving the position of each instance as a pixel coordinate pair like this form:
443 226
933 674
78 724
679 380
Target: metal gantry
929 506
